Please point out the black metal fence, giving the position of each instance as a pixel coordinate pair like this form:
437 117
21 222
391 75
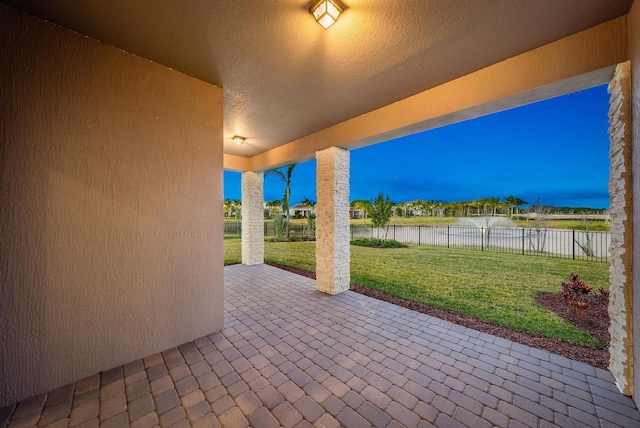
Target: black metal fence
572 244
234 228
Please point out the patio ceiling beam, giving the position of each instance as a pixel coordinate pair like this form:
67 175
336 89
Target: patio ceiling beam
580 61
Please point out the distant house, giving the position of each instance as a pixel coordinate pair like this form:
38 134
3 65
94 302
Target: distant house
302 210
356 213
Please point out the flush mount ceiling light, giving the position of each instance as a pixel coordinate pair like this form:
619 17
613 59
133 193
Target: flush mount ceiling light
238 139
326 12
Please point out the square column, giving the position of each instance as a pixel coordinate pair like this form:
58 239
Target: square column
252 218
333 272
621 247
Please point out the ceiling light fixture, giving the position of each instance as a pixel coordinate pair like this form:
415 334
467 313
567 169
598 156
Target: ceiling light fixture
326 12
238 139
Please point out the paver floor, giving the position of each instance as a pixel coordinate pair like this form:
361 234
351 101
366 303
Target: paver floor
292 356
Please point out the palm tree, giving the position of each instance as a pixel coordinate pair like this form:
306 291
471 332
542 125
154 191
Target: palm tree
237 207
311 216
273 205
228 204
361 204
470 204
286 178
494 203
416 206
306 202
514 203
403 209
519 202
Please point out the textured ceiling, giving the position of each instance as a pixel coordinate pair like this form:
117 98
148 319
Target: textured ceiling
285 77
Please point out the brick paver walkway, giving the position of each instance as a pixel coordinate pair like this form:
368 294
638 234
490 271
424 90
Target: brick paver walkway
291 356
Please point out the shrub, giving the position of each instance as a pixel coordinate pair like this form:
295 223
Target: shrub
311 223
603 295
578 294
574 289
378 243
294 238
280 225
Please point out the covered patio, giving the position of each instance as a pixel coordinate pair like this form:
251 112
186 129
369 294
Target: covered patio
290 355
118 121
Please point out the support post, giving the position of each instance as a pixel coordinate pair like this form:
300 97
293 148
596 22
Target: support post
333 272
620 191
252 218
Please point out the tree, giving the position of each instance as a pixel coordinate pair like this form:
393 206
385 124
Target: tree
416 207
380 210
513 203
587 247
237 207
401 210
273 206
228 206
538 233
363 205
311 217
519 202
306 202
286 178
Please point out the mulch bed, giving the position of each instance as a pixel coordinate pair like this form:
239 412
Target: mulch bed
291 239
595 322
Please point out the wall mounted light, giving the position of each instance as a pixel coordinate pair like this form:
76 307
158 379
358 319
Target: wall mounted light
326 12
238 139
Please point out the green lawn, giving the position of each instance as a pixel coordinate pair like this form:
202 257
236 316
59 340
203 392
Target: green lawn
495 287
597 225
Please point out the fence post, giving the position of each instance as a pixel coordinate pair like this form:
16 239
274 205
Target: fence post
573 243
394 232
482 239
448 237
419 228
523 241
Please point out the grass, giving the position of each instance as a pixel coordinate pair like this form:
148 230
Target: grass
413 221
597 225
232 250
495 287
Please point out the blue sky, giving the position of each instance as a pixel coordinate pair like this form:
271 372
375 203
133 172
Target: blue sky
556 149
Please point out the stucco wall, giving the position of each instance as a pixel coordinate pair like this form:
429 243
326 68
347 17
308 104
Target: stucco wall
634 57
110 218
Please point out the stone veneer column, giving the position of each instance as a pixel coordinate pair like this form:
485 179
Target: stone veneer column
333 272
252 218
620 191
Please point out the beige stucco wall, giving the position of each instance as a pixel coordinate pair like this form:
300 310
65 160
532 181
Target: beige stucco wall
634 57
110 219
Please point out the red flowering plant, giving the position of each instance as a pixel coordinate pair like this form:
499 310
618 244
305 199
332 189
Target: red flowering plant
576 293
